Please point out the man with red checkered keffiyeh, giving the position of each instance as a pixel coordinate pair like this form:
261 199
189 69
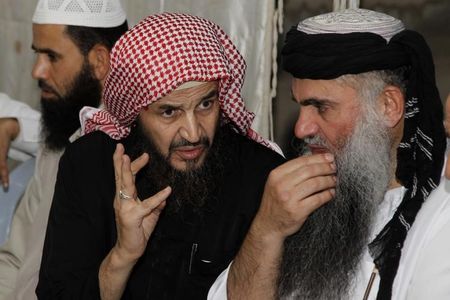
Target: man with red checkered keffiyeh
169 211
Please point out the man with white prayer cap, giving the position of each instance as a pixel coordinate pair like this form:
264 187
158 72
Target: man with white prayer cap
72 41
167 214
367 95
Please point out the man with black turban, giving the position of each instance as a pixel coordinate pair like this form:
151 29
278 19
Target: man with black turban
367 95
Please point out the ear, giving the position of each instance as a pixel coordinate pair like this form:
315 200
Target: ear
447 116
392 104
98 58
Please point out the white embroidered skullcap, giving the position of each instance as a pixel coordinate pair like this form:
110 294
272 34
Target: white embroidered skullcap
353 20
88 13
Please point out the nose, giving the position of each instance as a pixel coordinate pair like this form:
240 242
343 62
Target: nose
190 129
40 69
306 124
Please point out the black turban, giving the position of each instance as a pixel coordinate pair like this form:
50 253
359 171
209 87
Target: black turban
420 156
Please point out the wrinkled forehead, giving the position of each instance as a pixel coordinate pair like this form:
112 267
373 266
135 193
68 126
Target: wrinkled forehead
191 92
50 33
322 89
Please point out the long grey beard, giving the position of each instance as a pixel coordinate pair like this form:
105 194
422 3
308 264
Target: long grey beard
321 259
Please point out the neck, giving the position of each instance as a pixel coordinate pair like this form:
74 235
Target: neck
394 184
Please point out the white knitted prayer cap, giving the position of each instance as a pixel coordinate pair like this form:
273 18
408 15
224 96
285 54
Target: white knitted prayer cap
353 20
88 13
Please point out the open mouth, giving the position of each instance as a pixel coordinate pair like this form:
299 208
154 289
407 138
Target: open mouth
190 152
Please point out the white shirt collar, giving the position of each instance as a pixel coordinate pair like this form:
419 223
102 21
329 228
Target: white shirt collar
386 210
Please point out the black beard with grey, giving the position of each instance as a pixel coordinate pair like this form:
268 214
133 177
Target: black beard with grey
192 188
60 116
320 261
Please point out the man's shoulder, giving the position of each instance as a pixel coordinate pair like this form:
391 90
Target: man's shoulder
249 151
93 146
423 267
93 139
436 209
433 217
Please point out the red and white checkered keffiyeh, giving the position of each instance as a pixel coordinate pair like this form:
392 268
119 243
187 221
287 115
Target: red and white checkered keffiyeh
159 54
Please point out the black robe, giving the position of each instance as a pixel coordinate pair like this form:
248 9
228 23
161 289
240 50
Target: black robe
185 253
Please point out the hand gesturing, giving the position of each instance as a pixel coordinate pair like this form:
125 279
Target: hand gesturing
135 218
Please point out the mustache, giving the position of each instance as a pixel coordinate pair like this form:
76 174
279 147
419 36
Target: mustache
315 140
45 86
203 141
300 146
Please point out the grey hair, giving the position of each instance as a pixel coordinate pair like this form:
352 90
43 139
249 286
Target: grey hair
370 84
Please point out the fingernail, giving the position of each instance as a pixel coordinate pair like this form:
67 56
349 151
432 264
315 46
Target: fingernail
333 166
5 187
333 192
329 156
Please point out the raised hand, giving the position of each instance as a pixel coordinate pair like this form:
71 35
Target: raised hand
9 129
293 191
135 218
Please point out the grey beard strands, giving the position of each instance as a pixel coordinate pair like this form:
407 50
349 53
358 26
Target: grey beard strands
321 259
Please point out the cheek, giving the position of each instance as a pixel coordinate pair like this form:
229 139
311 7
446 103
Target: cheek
211 131
336 136
165 142
211 124
162 137
65 84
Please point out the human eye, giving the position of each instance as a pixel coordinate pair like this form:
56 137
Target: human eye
206 104
321 108
52 57
168 112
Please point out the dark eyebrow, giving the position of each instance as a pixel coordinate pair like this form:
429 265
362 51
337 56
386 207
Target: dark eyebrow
210 95
314 102
168 107
46 51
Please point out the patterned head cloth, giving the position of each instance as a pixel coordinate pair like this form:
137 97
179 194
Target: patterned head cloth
354 41
158 55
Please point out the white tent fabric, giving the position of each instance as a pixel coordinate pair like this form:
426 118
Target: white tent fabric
251 24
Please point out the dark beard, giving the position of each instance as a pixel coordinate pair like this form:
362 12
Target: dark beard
60 116
320 260
191 189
